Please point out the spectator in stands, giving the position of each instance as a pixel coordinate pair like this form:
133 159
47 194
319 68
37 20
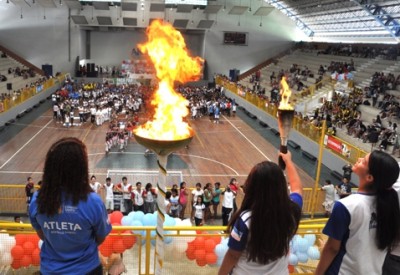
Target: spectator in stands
364 225
256 247
70 219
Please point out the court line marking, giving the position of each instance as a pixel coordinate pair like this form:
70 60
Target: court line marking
23 146
240 132
192 175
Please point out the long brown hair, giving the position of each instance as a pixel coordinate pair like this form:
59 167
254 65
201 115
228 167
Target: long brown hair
274 217
65 176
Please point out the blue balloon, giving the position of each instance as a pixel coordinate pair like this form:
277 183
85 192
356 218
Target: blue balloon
219 261
296 238
136 215
302 245
167 239
303 257
137 223
126 220
169 221
220 250
310 238
293 260
148 220
313 253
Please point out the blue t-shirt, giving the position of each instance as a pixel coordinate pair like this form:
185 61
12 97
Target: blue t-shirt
240 230
238 241
69 245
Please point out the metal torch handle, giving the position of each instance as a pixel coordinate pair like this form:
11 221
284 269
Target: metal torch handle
282 164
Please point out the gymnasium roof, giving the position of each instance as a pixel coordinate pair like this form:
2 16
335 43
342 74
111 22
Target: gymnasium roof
320 20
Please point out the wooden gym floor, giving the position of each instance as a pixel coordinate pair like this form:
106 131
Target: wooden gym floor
216 153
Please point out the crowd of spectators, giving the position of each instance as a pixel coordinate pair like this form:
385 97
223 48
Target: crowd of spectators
389 53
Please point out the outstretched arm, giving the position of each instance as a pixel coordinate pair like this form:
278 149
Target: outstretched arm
293 177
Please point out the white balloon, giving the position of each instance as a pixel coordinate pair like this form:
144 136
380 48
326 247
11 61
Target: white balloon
6 259
186 222
189 238
9 243
178 221
2 249
169 248
180 247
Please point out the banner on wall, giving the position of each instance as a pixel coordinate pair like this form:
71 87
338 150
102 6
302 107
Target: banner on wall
337 146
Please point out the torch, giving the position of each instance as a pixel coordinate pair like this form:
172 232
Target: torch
285 119
167 131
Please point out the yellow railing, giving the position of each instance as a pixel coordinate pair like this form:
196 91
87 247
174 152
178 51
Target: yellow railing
27 93
188 249
299 124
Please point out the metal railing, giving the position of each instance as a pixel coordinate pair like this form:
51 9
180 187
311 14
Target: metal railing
188 249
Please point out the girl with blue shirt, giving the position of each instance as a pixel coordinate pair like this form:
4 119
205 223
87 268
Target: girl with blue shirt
67 215
261 229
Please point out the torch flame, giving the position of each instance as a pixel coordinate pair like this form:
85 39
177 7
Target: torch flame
285 96
167 51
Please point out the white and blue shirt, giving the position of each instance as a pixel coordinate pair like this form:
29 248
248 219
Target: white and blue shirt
69 245
238 241
353 222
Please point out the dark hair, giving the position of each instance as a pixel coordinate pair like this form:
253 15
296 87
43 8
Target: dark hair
138 183
124 178
198 184
181 184
274 216
108 179
93 177
29 178
148 186
196 202
218 184
385 170
168 195
328 181
206 186
65 175
232 180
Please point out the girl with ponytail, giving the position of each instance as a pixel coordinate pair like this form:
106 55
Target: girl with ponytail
363 227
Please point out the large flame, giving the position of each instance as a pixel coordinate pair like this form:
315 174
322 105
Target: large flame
167 51
285 96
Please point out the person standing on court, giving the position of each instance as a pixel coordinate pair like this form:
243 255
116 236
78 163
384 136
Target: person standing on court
268 218
29 190
67 215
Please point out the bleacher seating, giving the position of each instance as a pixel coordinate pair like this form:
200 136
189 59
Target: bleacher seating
18 82
365 68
